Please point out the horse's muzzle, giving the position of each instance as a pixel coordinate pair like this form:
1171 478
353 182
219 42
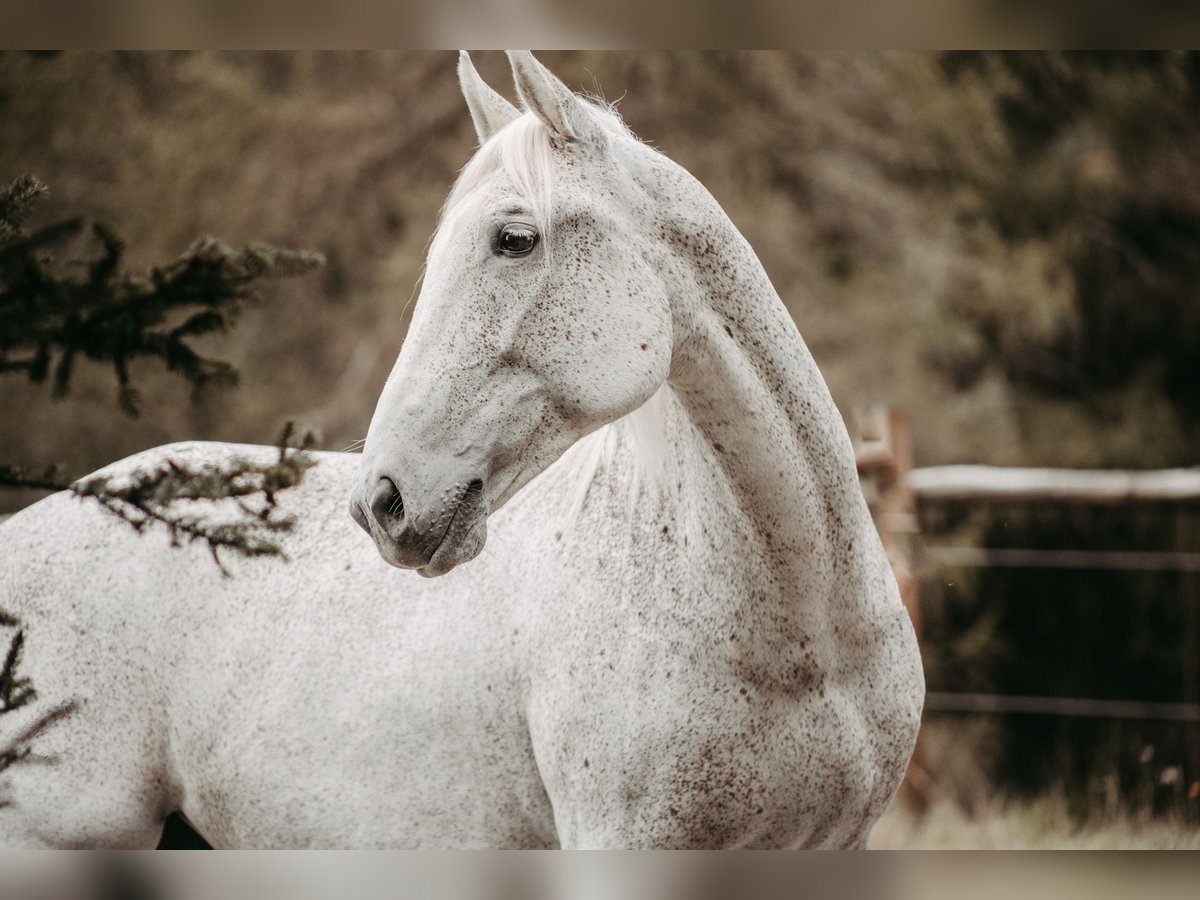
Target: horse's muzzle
433 542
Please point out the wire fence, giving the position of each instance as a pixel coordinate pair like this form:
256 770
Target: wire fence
894 490
982 484
1062 706
1090 560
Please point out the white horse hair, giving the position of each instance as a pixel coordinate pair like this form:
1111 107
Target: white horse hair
656 611
524 150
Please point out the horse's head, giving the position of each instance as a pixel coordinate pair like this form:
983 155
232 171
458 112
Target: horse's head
542 317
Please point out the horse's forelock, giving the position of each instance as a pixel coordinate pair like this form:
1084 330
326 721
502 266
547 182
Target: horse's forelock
523 151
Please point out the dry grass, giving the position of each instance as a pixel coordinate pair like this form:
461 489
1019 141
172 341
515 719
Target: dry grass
1040 824
968 811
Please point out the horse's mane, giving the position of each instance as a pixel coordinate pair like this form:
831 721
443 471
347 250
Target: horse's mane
522 149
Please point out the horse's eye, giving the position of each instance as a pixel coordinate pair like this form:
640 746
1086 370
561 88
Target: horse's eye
517 240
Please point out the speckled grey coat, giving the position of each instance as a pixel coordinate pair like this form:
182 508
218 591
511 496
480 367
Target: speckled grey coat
682 631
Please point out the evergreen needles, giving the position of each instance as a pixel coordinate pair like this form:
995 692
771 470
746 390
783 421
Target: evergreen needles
50 315
180 497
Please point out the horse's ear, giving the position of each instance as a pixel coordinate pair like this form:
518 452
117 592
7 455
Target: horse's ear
489 111
562 111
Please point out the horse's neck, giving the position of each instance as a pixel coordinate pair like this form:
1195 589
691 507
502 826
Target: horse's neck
751 388
758 463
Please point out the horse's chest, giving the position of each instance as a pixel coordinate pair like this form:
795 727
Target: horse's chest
653 741
677 700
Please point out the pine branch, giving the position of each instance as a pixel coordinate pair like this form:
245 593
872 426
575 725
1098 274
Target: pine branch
170 495
16 200
14 692
49 319
18 749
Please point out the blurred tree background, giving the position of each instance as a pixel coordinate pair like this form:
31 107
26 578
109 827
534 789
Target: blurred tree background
1005 245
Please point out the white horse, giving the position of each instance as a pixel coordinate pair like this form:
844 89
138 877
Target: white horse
682 630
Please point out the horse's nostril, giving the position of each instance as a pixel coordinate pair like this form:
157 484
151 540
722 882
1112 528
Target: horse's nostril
393 501
386 503
396 505
475 487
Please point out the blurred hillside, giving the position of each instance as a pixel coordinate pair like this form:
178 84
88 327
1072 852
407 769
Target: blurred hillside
1007 246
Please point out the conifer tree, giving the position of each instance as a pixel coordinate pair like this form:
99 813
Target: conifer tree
52 313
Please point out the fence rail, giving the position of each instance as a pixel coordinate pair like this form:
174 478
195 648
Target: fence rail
1061 706
983 483
1021 558
1088 485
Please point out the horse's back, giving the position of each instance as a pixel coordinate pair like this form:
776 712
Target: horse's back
97 606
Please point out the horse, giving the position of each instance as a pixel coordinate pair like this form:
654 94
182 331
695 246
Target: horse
654 611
